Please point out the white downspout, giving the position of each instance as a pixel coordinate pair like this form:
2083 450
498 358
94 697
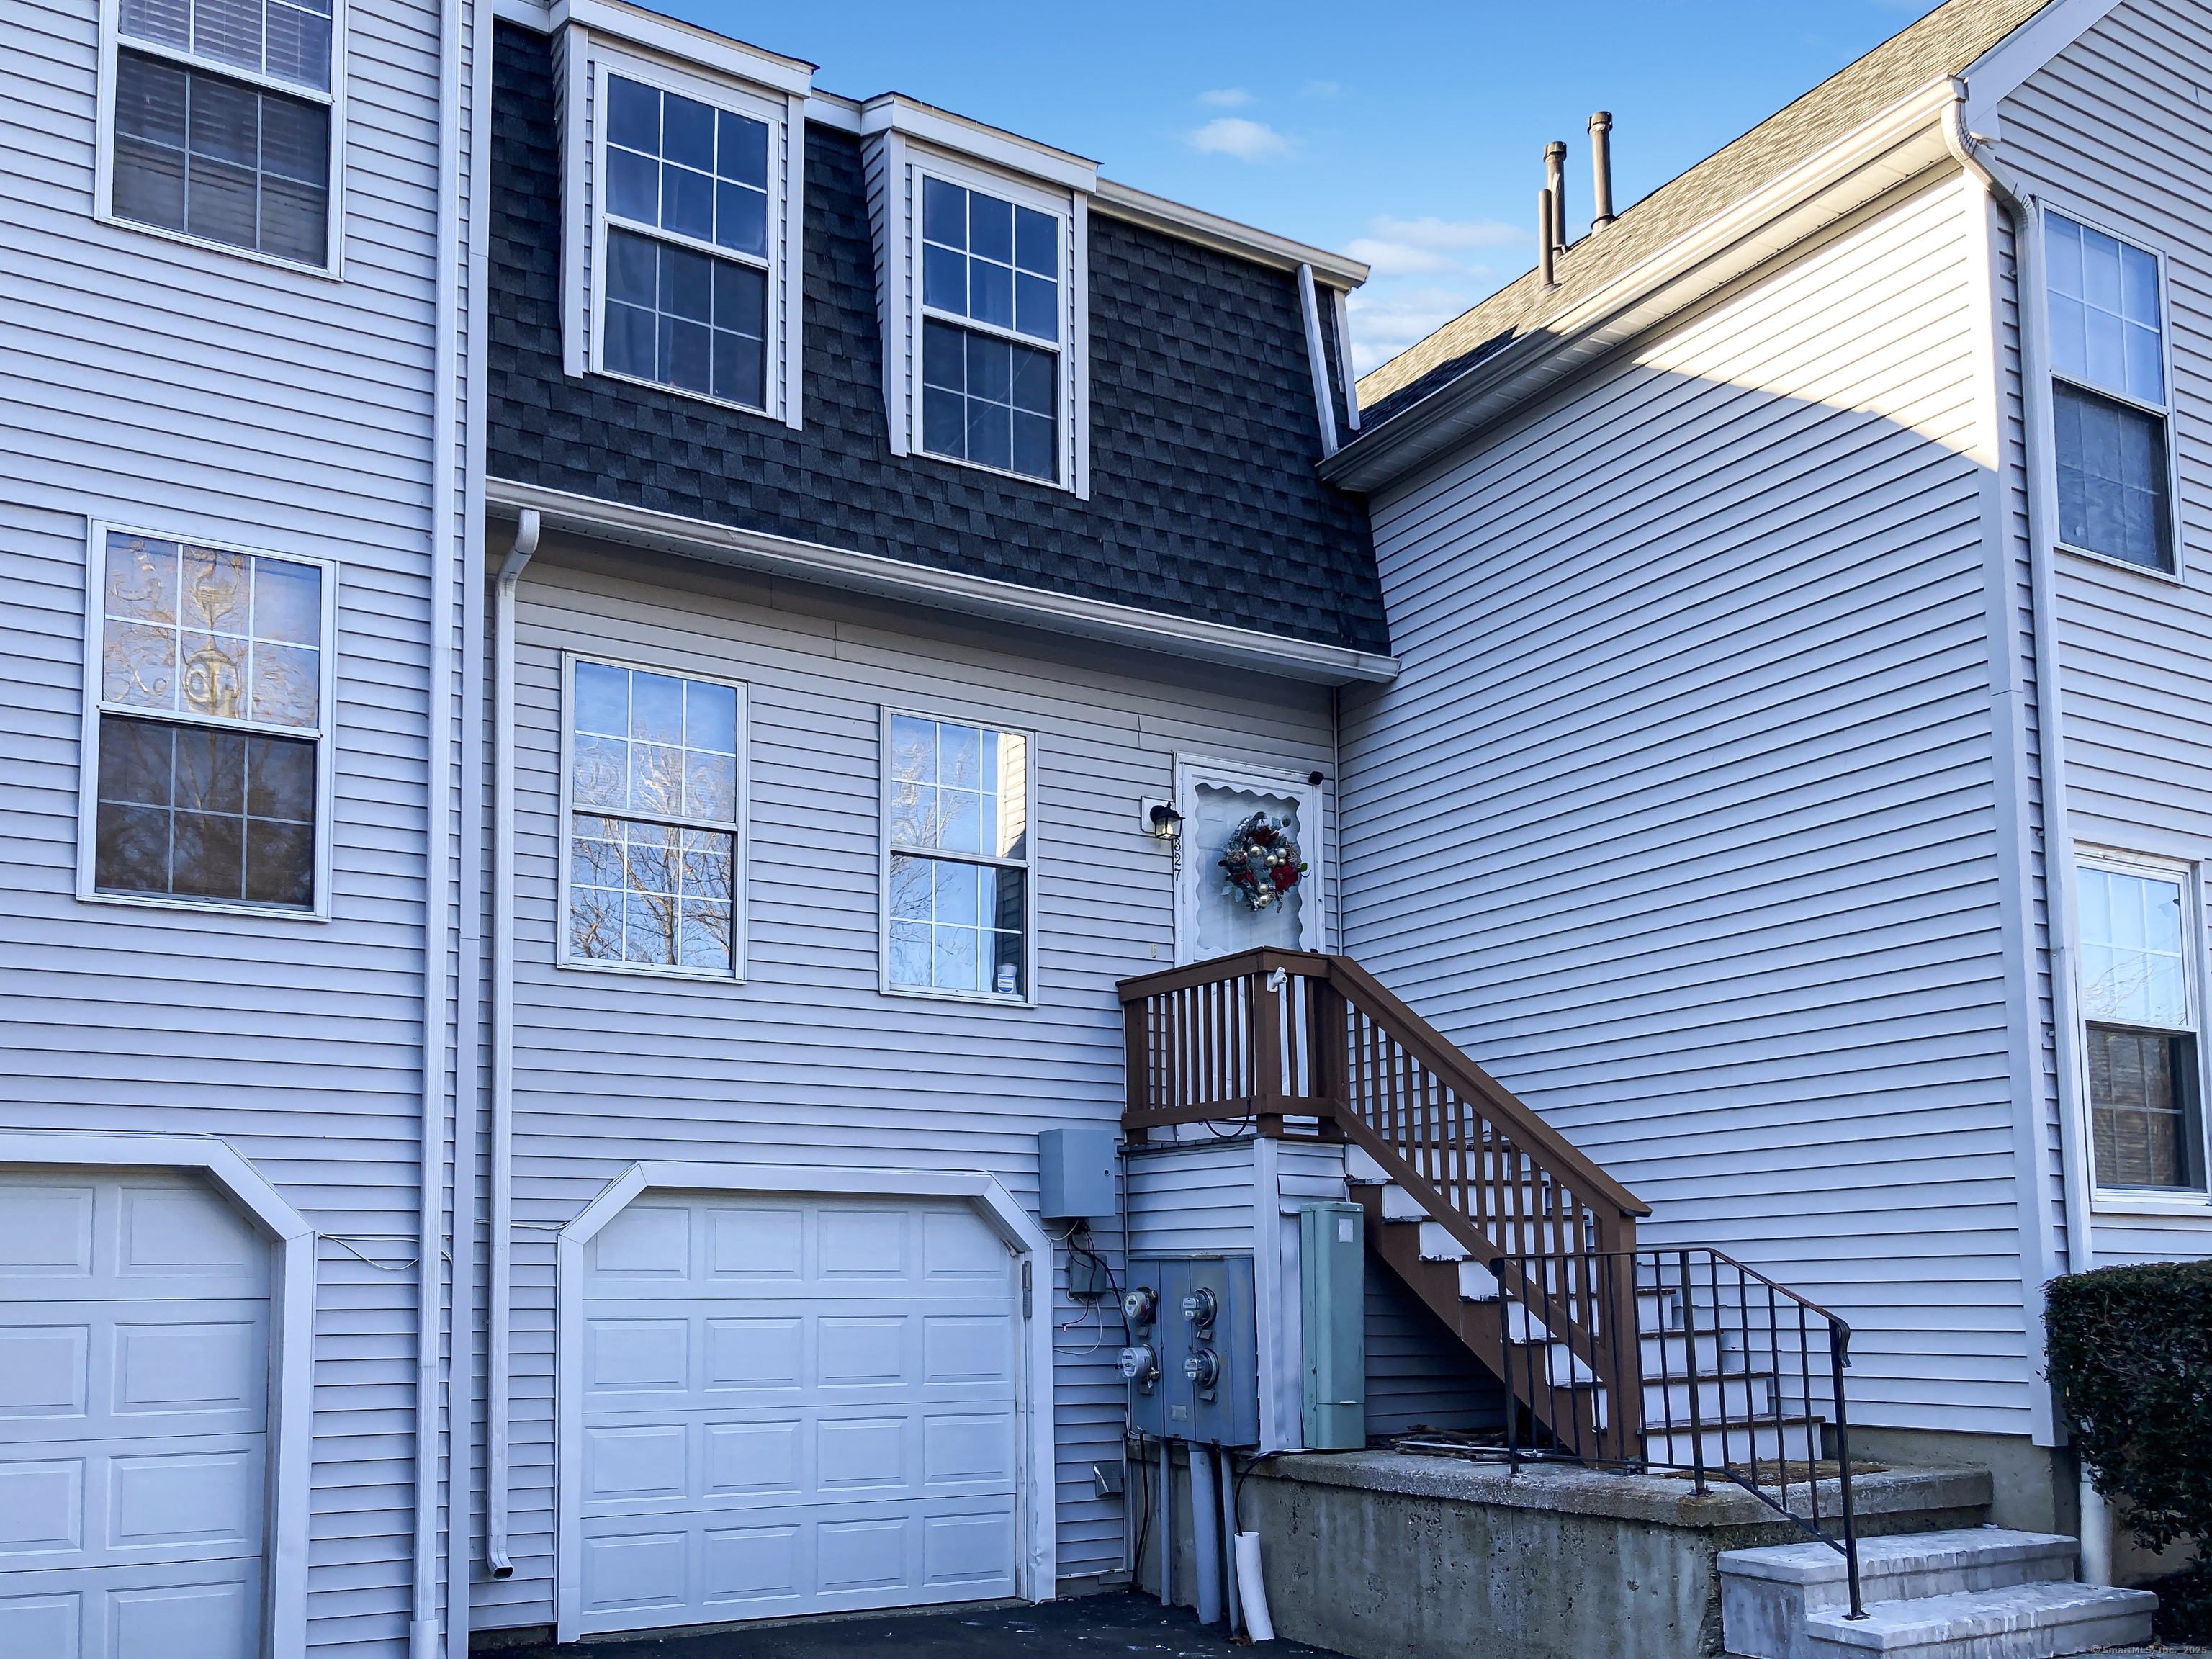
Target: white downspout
2042 484
437 865
498 1291
467 1167
1317 358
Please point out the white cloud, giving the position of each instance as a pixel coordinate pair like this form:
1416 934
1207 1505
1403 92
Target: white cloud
1248 141
1437 235
1226 98
1385 322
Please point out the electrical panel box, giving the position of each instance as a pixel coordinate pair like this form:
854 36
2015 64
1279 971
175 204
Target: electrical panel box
1075 1172
1193 1360
1333 1314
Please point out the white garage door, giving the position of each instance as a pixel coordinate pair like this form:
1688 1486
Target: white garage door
134 1367
795 1406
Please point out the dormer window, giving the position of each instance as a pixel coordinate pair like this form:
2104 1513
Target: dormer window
687 244
990 286
980 276
684 240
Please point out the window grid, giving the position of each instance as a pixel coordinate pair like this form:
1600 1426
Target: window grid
958 860
655 790
990 314
208 700
2138 1009
688 306
2110 434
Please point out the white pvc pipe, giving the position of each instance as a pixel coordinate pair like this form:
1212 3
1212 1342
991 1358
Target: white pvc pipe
499 1290
1204 1534
1252 1592
429 1560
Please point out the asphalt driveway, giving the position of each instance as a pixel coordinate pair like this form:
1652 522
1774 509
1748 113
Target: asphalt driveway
1084 1627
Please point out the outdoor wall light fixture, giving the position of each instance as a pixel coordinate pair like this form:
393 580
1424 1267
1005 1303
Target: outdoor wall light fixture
1164 822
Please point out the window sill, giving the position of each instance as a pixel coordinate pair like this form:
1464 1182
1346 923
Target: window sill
708 398
205 907
921 454
186 239
2172 577
974 999
648 970
2181 1206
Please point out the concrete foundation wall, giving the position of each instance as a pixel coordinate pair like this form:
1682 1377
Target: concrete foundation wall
1381 1555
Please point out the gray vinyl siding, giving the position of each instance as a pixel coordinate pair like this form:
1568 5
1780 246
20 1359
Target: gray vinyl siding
1681 818
809 1062
2115 129
151 383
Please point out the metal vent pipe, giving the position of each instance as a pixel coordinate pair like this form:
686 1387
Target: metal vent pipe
1600 132
1555 181
1546 253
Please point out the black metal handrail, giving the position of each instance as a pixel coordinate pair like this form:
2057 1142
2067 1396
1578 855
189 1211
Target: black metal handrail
1733 1373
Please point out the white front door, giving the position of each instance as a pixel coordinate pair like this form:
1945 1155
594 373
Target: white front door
1215 917
134 1390
795 1405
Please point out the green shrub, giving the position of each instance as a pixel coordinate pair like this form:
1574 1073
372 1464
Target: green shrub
2130 1356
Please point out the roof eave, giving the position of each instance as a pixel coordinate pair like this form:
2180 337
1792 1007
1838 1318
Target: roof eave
1903 141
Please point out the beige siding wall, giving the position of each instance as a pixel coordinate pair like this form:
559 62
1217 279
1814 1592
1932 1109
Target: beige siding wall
2116 130
809 1062
1683 818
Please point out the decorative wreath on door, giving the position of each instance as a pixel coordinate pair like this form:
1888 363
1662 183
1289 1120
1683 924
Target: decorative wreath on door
1261 862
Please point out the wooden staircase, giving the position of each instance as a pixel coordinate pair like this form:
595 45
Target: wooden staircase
1520 1244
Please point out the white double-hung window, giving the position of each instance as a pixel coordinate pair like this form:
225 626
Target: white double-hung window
654 795
2139 1008
2109 396
981 269
221 120
682 189
958 859
207 725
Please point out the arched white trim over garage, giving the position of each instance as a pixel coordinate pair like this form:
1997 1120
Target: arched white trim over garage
1037 1565
292 1313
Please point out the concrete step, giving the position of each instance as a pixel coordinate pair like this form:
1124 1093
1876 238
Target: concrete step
1766 1593
2022 1621
1670 1356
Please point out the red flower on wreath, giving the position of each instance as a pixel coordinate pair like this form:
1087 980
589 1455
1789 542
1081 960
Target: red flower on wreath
1261 862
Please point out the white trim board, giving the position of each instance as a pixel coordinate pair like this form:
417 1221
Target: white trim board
1997 73
945 590
1037 1568
291 1313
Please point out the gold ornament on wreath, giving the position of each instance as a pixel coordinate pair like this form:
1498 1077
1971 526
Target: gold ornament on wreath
1262 863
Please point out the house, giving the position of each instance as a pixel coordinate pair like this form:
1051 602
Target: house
1794 782
641 686
560 547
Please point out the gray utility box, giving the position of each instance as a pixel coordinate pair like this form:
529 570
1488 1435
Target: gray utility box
1194 1356
1333 1315
1075 1172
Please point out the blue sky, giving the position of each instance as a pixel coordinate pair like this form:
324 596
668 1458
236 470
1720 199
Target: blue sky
1410 135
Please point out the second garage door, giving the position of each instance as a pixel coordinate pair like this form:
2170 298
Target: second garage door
795 1406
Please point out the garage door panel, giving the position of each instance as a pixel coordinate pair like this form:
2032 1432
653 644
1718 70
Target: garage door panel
847 1396
752 1354
76 1368
646 1572
134 1390
189 1610
764 1247
92 1503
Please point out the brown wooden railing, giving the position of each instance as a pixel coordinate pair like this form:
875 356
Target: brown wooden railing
1293 1043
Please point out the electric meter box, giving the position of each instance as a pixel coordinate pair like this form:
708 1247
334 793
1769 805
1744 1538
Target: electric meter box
1194 1359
